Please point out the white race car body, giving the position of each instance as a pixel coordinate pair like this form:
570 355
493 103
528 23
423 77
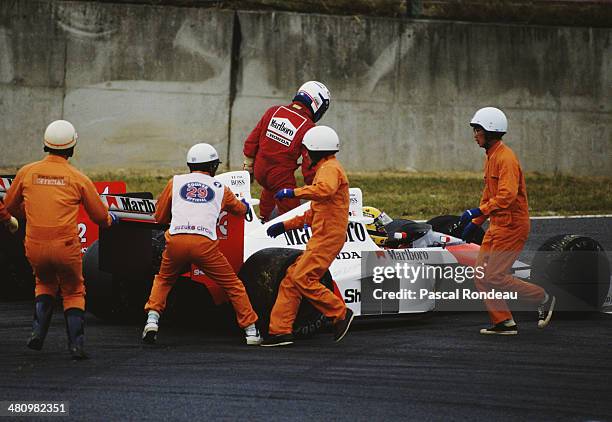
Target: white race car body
353 276
352 270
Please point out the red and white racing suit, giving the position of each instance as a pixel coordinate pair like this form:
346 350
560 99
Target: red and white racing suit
276 145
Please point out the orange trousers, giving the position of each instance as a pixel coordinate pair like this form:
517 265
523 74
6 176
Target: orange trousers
267 204
183 249
57 266
500 247
303 280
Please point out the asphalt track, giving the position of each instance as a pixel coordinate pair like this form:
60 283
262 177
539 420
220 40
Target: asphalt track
435 367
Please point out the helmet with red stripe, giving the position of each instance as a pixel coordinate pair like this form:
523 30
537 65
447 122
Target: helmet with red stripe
315 96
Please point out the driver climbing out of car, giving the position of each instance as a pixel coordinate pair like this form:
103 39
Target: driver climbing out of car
191 204
272 149
504 200
51 191
328 217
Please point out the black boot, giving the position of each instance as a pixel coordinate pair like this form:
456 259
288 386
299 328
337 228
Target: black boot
43 310
75 328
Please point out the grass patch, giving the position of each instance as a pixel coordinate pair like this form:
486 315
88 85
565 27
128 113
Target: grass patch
425 195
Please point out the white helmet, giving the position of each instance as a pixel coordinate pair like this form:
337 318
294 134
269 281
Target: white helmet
60 134
321 138
491 119
202 153
315 96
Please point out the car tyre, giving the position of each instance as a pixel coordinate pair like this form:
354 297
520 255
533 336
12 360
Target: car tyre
574 268
262 274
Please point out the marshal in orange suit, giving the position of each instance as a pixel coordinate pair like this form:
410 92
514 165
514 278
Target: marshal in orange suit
504 201
51 191
191 203
328 217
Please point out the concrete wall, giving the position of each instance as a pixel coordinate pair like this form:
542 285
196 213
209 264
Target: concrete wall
141 83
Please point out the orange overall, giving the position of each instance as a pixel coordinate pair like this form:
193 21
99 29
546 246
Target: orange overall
183 249
504 200
52 191
328 217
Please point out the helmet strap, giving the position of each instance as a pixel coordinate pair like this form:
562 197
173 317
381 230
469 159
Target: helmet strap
491 138
210 168
66 153
316 156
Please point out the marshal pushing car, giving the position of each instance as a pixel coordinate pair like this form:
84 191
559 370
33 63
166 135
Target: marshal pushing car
120 265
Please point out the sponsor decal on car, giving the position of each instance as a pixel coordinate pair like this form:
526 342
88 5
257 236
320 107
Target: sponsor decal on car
237 180
131 205
355 232
352 296
348 255
222 225
5 183
407 255
88 230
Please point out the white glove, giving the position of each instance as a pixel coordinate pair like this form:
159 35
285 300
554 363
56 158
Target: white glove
247 164
12 225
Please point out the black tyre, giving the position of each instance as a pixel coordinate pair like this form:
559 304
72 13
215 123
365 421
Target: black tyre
109 297
262 274
575 269
114 298
117 299
16 279
449 224
188 302
98 285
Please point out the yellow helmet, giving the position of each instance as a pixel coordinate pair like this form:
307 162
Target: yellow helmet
377 230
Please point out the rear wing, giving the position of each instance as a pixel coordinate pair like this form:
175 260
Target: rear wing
356 207
132 208
132 238
87 229
239 183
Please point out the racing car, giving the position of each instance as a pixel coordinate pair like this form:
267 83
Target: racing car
120 265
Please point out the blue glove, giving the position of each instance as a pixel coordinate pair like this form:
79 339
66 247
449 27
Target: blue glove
468 215
276 229
114 218
468 230
246 204
284 193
